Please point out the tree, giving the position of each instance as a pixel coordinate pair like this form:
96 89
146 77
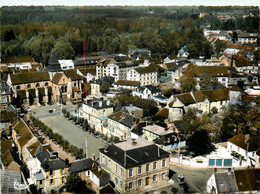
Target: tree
64 50
75 184
200 143
187 83
208 81
104 88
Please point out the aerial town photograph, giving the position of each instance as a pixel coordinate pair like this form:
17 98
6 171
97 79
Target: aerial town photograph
130 97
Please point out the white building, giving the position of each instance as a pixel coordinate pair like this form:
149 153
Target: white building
145 75
146 92
119 70
66 64
245 147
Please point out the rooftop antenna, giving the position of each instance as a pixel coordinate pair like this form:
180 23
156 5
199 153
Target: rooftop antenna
84 47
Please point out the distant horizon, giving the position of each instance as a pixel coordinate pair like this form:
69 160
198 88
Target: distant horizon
129 3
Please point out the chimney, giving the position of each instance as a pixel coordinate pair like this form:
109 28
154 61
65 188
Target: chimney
93 157
108 102
247 137
134 141
105 149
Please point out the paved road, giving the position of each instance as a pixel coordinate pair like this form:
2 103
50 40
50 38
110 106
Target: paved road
74 134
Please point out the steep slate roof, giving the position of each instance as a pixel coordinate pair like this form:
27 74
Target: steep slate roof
170 66
34 147
127 83
54 165
105 62
212 95
134 157
18 59
95 104
107 189
72 74
53 60
163 113
248 179
185 98
138 129
7 158
80 166
8 116
241 61
143 70
239 140
29 77
22 129
195 71
225 182
123 118
6 145
56 78
45 155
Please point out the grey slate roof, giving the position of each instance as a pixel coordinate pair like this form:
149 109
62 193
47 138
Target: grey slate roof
54 165
128 120
138 130
96 104
53 63
225 182
134 157
80 166
43 156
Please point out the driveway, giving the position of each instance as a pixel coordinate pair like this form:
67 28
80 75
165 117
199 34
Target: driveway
74 134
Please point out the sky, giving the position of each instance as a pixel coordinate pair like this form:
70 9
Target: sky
130 2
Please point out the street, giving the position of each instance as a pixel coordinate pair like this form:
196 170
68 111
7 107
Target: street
74 134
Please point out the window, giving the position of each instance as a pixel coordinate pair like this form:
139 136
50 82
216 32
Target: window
122 172
51 172
104 112
3 125
130 186
130 172
139 182
147 167
163 176
154 165
154 178
116 169
238 149
163 163
18 87
116 181
139 169
52 182
253 154
37 85
121 184
63 179
109 164
104 160
29 86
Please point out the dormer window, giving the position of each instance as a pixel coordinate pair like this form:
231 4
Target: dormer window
29 86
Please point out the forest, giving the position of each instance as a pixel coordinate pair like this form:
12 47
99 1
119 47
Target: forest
39 30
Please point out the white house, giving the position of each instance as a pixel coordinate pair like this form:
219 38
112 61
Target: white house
98 176
202 100
245 147
119 70
96 112
120 124
66 64
145 75
146 92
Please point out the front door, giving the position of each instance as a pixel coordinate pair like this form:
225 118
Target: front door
147 181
